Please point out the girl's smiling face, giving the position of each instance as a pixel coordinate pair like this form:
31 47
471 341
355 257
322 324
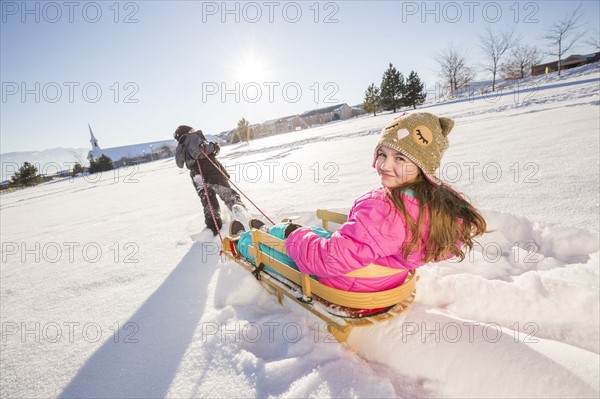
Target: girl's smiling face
394 168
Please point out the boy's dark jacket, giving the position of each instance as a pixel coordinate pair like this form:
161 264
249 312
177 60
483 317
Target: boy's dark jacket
193 148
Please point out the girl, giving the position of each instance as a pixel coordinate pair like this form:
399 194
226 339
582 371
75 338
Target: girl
411 220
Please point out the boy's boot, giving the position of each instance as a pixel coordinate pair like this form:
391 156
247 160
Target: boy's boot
258 225
236 228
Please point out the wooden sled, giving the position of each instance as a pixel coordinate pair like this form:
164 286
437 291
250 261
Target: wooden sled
336 307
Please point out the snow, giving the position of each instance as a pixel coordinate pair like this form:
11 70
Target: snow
104 294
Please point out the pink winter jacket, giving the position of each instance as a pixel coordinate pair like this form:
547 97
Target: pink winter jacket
374 233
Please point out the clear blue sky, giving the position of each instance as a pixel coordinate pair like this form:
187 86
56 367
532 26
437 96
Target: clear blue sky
135 70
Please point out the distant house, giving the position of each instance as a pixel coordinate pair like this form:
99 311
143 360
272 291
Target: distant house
357 110
59 174
280 125
296 122
569 62
132 154
328 114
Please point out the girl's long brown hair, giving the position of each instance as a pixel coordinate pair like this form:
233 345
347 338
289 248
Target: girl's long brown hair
452 219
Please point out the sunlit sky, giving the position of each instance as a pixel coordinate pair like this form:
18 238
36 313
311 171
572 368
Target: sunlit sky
136 70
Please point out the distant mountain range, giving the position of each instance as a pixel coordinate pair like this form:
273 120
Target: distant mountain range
53 160
47 161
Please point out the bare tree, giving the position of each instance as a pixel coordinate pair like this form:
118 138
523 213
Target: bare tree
563 34
520 61
244 130
494 45
454 70
594 41
78 158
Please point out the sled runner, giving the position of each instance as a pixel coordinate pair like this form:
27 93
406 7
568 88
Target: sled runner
341 310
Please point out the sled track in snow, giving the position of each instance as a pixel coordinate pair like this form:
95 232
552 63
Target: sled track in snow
286 148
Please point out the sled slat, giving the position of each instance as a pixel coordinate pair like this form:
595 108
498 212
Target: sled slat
258 257
306 288
362 322
252 251
340 333
329 216
365 300
374 270
291 274
268 240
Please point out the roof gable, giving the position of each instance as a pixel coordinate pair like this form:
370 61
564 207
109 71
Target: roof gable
323 110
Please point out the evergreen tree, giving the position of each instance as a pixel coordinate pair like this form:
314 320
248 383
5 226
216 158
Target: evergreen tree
27 175
77 169
103 164
392 89
372 100
415 93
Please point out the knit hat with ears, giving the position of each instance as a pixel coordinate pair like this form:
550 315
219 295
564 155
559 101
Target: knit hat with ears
421 137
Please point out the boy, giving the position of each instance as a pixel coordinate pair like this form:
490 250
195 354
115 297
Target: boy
194 149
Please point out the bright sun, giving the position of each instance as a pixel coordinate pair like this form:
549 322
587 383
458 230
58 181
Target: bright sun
251 69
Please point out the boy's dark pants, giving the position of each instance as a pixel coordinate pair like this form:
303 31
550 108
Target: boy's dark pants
216 184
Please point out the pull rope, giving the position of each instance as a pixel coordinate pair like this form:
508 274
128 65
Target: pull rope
212 211
236 187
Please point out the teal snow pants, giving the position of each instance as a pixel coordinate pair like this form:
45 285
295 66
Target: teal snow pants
276 231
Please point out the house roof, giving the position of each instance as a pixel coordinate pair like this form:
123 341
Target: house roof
578 58
132 151
140 150
570 59
323 110
276 120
